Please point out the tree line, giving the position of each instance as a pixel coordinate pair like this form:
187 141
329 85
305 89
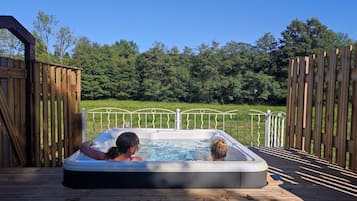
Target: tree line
235 72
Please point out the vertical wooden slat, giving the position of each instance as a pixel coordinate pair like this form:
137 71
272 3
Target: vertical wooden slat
289 102
293 104
11 103
65 111
36 74
45 113
76 139
300 103
343 106
353 159
309 90
71 107
17 105
59 112
318 103
1 140
53 116
78 91
330 103
22 108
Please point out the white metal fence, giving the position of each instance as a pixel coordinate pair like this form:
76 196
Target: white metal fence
252 127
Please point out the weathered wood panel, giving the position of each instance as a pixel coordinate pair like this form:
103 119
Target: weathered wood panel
57 102
13 143
309 86
289 100
52 102
36 109
52 87
353 137
330 103
332 118
292 115
318 103
59 114
343 97
300 103
44 107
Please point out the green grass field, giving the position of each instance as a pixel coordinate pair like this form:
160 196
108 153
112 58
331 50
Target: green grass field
238 125
134 105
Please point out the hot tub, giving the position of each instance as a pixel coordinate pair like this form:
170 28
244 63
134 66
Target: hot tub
241 169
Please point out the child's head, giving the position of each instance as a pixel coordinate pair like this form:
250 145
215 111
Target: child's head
124 143
219 149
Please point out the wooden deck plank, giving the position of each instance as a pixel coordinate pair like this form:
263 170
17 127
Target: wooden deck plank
303 177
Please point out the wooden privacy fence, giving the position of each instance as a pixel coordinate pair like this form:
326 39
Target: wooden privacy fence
55 121
56 101
12 110
322 106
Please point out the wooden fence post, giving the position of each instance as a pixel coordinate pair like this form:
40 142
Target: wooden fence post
76 131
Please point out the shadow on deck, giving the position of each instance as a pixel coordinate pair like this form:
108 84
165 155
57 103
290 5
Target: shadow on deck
303 177
309 177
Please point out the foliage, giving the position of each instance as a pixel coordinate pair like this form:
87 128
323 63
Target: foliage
132 105
231 73
10 46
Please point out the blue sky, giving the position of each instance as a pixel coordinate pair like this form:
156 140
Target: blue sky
183 22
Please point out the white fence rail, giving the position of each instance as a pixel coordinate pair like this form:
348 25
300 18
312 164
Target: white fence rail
246 126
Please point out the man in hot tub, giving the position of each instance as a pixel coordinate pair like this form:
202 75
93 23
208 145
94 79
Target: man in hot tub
126 146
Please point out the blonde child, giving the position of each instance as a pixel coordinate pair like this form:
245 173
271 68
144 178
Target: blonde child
219 149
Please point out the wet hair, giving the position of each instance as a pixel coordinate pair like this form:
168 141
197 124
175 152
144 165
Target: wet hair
219 148
123 143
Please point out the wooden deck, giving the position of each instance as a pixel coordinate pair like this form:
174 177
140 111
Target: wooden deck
303 177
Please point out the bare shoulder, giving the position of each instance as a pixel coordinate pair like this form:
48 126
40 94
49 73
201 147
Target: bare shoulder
136 158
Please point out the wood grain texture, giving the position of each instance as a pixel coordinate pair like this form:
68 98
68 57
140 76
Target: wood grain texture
303 177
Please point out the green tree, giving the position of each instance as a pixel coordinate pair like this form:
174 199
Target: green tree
124 76
310 37
152 70
10 46
44 25
64 40
89 56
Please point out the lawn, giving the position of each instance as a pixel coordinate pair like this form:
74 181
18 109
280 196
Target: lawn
240 124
